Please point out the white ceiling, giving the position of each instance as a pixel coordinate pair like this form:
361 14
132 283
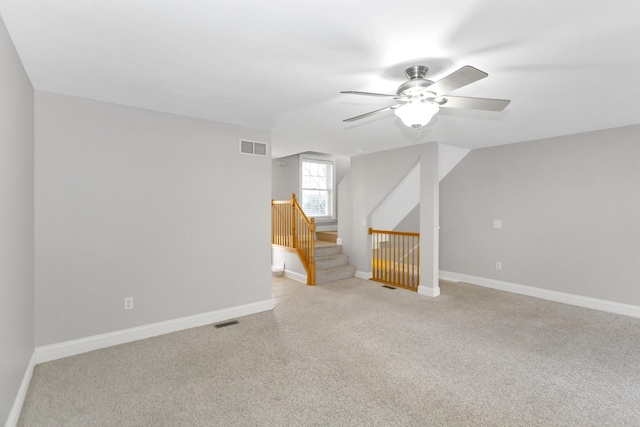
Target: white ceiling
568 66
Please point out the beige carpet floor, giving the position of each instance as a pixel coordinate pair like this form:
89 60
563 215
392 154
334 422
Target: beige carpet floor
351 353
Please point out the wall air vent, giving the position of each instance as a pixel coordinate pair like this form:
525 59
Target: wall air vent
253 148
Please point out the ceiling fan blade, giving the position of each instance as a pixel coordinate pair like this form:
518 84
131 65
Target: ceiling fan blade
383 95
370 113
487 104
457 79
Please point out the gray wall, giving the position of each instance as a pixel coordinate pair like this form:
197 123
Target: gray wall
16 223
371 179
154 206
411 222
285 179
570 208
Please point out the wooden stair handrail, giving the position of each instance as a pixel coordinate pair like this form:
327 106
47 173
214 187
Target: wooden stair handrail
294 230
397 233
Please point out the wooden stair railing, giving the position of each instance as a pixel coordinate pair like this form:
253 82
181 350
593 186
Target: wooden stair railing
290 228
395 258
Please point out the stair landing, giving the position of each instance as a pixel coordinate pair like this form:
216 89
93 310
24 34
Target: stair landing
327 236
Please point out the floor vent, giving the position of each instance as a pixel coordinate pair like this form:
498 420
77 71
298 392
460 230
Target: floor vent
388 287
222 325
253 148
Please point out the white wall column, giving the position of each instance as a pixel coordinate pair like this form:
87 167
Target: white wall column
429 220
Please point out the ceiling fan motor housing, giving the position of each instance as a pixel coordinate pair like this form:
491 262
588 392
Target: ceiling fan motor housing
416 86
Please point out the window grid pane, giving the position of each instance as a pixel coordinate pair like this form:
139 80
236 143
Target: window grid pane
316 175
315 202
317 188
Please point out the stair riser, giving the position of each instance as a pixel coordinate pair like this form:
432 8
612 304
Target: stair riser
345 272
331 261
327 250
326 237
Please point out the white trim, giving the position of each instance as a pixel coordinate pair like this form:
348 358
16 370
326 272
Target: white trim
71 348
295 276
427 291
364 275
579 300
14 414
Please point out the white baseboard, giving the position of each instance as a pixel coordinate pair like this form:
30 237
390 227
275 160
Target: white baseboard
71 348
14 414
295 276
581 301
430 292
364 275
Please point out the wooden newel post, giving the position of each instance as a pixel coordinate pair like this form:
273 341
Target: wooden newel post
273 222
292 231
312 262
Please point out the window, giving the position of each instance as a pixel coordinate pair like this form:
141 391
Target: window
317 177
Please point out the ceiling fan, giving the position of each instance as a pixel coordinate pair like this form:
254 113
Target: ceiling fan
420 98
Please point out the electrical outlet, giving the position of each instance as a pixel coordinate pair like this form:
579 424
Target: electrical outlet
128 303
498 266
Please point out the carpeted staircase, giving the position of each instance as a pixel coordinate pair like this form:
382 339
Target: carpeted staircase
331 263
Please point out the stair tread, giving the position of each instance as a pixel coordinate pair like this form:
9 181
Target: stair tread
340 267
323 243
328 261
335 273
327 249
331 256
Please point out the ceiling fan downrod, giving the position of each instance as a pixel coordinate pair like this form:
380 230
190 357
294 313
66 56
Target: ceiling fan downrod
416 72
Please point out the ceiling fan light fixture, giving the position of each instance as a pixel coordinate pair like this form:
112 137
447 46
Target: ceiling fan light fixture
416 114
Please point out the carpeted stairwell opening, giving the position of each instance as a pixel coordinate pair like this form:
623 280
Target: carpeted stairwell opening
331 263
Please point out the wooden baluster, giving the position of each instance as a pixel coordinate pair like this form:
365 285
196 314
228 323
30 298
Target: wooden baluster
293 223
279 225
397 257
404 269
381 254
393 259
373 253
416 261
377 256
278 222
412 255
390 276
312 262
413 262
387 256
418 265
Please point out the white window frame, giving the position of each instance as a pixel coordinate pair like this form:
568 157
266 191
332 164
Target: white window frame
332 190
